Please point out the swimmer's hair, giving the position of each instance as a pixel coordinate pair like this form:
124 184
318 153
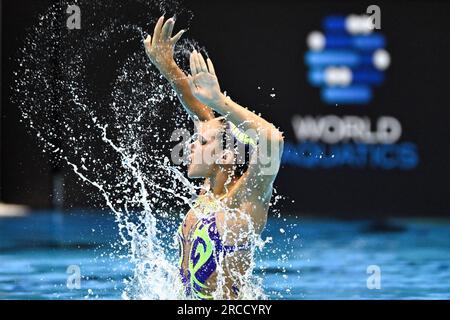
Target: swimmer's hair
241 144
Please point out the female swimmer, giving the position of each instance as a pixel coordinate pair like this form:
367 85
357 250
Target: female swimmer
215 237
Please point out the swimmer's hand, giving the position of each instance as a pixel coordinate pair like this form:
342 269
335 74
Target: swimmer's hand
160 50
160 47
203 80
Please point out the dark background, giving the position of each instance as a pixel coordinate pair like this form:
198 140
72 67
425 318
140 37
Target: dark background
261 44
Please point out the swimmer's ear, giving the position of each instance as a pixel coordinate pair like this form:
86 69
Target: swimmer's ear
227 157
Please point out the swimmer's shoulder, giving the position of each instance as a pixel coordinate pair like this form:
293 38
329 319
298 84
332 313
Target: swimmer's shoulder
250 218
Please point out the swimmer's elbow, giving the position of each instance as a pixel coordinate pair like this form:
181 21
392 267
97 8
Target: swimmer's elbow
280 138
276 135
277 138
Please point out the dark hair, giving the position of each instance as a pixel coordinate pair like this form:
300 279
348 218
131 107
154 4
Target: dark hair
241 150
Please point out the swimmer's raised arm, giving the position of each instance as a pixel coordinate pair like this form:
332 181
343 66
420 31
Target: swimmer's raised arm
205 87
160 50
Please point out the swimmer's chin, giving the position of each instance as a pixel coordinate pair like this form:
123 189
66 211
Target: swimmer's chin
192 174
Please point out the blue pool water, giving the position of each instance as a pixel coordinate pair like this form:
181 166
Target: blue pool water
329 259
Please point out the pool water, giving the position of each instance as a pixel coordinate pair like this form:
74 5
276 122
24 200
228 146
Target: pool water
328 259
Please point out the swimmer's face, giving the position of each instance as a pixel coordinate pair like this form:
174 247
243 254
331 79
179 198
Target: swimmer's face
205 155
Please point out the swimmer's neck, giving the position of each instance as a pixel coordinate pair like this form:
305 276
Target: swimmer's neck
216 183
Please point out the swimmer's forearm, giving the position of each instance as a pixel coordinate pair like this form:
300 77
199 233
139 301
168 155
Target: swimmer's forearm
245 119
191 104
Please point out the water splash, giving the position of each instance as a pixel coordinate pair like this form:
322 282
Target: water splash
114 135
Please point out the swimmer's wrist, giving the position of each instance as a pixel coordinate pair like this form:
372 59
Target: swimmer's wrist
173 74
169 70
221 105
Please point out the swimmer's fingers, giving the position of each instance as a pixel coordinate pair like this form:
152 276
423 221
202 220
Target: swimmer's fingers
211 66
177 37
202 63
192 64
148 43
166 31
198 63
157 31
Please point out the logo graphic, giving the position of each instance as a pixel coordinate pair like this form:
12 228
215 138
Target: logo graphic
74 277
347 59
74 20
374 280
332 141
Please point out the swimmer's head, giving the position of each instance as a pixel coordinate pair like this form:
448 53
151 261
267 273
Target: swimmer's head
216 146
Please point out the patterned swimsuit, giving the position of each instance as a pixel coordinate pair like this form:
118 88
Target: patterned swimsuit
204 253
